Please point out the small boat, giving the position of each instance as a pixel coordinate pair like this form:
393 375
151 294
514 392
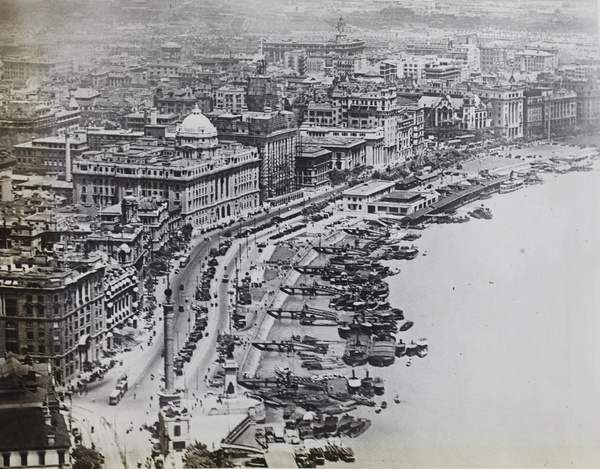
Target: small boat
397 399
358 349
406 326
408 363
378 386
422 347
384 405
424 253
481 212
377 409
511 186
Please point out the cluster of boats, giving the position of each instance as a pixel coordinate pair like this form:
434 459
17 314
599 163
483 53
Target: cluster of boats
316 455
380 350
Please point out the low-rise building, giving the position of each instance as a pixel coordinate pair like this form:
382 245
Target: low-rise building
402 203
357 198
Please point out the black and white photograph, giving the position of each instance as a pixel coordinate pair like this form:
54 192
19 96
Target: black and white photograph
299 234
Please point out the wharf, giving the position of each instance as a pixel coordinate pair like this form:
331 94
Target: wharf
455 200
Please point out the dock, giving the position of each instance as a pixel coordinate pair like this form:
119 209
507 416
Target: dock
455 200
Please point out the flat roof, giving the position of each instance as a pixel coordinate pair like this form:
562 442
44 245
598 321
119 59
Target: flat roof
401 196
369 188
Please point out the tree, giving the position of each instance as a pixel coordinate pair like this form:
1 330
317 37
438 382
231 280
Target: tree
86 458
186 231
198 455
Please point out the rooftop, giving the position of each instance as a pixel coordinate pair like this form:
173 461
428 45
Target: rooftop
369 188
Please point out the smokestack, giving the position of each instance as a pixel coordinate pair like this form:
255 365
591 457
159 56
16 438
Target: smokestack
67 158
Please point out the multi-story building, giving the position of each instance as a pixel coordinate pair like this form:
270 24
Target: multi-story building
534 113
33 432
536 60
347 153
466 112
374 140
275 135
263 94
27 118
313 166
370 108
170 52
548 110
154 215
296 60
99 137
275 50
230 98
443 75
182 102
205 181
49 156
507 102
413 67
158 70
54 312
588 100
22 68
388 71
136 121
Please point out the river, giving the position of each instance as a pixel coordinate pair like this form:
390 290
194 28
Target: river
511 311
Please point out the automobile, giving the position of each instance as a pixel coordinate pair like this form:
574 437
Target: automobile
225 279
262 245
176 271
182 287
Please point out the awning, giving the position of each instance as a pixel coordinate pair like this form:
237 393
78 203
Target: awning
83 340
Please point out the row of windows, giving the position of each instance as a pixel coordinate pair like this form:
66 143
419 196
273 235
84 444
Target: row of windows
26 460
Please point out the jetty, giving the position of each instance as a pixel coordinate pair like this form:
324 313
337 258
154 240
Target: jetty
455 200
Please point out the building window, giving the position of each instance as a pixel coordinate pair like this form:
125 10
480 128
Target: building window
61 458
23 459
11 306
41 458
177 430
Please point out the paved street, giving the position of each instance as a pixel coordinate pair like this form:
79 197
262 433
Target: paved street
120 431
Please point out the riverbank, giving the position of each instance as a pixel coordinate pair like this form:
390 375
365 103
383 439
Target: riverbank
510 313
496 309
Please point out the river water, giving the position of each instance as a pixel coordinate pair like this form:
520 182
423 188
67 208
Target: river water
511 311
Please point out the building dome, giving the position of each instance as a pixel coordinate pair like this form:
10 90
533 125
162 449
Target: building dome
197 125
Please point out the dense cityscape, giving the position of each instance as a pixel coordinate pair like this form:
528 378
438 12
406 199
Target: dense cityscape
196 193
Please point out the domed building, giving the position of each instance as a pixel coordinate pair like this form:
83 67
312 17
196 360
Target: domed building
206 182
196 137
